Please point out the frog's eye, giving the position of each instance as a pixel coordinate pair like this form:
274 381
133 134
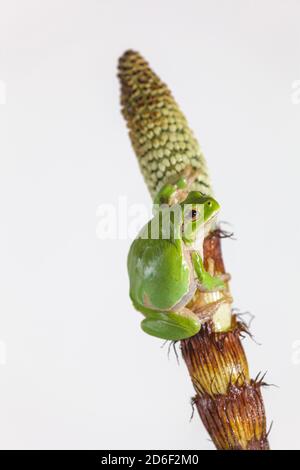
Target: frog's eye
193 215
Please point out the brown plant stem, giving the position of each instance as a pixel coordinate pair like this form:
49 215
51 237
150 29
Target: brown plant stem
229 403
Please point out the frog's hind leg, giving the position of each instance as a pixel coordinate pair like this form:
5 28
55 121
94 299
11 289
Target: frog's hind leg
171 325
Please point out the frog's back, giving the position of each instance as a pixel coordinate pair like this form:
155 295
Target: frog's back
158 272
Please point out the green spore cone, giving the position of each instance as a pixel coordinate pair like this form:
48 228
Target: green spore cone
163 142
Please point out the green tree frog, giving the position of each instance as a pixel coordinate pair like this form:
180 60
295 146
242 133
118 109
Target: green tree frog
165 266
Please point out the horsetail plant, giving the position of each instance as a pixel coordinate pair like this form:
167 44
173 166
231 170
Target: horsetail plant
186 297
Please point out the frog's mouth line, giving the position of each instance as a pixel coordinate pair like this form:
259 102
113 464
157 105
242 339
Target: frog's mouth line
197 243
210 223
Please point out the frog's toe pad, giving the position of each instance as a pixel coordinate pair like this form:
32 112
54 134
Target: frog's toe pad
170 326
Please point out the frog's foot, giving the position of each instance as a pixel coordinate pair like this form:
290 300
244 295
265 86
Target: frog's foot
212 283
177 189
218 313
211 305
171 325
226 277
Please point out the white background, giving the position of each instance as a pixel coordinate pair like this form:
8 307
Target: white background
76 371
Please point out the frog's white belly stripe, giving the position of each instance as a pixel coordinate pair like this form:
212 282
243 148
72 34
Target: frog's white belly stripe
192 285
185 299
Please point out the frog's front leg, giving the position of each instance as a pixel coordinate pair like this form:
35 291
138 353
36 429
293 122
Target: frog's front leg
170 192
171 325
207 281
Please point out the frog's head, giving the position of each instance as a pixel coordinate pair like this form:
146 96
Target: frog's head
198 211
